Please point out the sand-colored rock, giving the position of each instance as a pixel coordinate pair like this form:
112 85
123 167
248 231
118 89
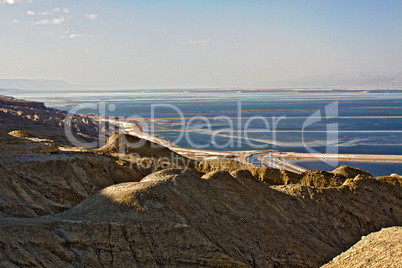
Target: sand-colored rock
274 176
21 134
394 179
145 155
271 176
319 178
379 249
350 172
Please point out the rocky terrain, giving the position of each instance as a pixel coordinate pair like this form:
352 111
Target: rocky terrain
379 249
45 122
132 203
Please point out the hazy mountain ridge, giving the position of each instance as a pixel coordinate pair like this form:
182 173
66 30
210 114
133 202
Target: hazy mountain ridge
34 84
340 79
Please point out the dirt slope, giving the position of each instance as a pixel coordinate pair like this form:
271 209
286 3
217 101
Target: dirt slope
180 219
30 189
37 178
379 249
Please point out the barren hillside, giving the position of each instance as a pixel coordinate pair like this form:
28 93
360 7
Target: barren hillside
63 206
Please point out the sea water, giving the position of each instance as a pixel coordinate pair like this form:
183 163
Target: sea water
345 122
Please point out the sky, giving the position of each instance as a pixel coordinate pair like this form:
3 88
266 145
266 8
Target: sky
196 43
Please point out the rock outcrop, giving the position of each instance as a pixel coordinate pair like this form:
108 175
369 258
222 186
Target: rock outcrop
319 178
274 176
350 172
271 176
145 155
10 101
379 249
394 179
21 134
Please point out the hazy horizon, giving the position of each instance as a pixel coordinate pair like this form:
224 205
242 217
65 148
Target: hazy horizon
196 44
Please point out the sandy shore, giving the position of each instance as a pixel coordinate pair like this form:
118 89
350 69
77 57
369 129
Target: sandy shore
338 157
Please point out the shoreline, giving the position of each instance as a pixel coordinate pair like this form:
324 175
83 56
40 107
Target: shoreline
134 129
338 157
271 158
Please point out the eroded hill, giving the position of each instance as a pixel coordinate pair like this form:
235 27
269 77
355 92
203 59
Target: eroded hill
137 206
176 218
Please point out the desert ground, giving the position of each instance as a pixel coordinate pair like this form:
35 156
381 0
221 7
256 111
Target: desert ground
153 205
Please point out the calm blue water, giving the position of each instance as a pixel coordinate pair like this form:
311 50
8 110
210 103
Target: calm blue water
293 121
375 168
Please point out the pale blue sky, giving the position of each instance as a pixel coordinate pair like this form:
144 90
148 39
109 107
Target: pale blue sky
203 43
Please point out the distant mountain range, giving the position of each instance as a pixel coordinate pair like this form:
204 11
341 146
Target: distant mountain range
340 79
331 80
34 84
